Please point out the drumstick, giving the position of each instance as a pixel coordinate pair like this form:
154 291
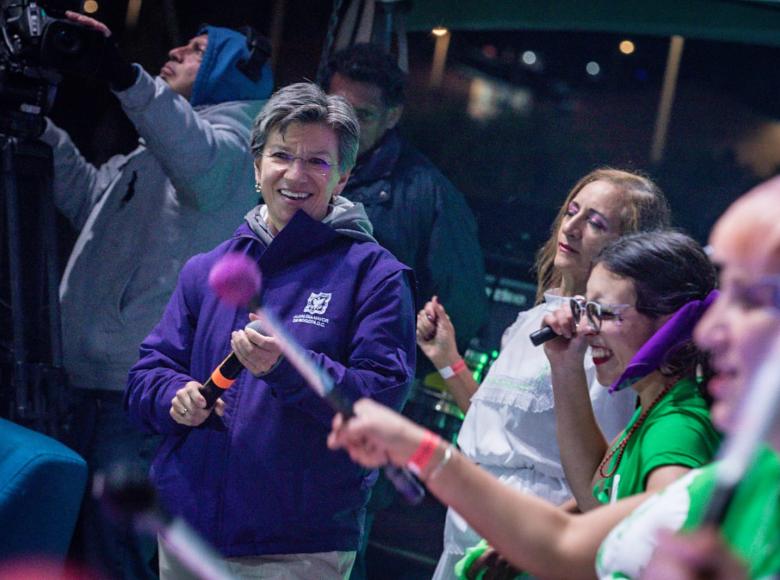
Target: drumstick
237 280
754 419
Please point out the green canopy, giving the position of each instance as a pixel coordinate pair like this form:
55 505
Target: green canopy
756 22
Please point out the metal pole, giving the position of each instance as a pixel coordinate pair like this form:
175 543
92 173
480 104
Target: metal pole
439 59
18 312
330 37
277 28
676 45
132 14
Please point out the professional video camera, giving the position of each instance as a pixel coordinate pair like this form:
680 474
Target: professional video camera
35 47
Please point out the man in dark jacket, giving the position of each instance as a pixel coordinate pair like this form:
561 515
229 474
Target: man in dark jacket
416 212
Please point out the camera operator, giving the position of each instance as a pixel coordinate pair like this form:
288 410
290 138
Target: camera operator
184 189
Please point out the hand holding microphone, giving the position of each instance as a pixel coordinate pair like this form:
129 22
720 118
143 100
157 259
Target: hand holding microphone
252 349
561 322
542 335
189 406
255 351
567 354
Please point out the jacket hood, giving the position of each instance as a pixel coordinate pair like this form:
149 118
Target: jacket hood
219 79
344 216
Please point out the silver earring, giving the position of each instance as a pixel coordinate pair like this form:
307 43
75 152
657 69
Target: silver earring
258 189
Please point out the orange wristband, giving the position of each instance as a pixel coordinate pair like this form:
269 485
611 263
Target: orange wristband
424 452
450 371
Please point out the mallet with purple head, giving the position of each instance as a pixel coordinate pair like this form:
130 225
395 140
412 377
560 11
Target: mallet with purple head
236 280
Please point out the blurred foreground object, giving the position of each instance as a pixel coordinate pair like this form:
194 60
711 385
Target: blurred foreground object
41 486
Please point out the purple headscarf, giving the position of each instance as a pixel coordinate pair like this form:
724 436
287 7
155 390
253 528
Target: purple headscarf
676 330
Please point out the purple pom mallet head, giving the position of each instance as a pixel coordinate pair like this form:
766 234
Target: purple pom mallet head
236 279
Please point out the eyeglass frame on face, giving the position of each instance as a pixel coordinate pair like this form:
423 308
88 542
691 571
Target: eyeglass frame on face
312 164
770 282
579 305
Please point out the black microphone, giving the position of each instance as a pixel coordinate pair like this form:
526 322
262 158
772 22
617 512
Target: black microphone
225 374
542 335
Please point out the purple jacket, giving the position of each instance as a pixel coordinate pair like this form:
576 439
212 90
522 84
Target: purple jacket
261 480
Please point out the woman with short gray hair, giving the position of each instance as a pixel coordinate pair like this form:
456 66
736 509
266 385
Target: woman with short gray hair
308 103
254 476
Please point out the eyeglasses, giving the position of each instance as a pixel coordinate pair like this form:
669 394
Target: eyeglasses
596 313
316 165
764 292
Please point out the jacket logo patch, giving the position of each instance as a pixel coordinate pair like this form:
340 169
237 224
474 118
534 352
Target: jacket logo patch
315 307
318 303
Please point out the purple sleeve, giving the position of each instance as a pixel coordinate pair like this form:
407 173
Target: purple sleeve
163 366
381 354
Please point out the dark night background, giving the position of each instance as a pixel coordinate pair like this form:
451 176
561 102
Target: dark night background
516 163
513 137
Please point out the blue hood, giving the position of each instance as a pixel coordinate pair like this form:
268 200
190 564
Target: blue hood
218 78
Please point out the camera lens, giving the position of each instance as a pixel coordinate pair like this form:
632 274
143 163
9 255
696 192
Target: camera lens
67 41
68 47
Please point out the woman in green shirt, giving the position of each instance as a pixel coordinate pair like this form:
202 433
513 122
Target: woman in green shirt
644 295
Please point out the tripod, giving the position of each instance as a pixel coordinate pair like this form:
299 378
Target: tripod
32 380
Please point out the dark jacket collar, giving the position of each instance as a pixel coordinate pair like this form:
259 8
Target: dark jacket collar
379 162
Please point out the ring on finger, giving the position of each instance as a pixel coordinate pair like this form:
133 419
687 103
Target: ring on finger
184 412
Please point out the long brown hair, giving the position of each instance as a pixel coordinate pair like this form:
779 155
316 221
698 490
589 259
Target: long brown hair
645 208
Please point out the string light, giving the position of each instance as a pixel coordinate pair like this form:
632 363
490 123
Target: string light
529 57
627 47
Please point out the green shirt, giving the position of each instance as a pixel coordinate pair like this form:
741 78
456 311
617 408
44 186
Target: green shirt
677 431
751 527
752 524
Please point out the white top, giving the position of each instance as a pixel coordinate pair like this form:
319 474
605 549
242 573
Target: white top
630 545
509 428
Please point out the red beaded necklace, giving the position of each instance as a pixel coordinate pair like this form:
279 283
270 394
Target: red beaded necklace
621 447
